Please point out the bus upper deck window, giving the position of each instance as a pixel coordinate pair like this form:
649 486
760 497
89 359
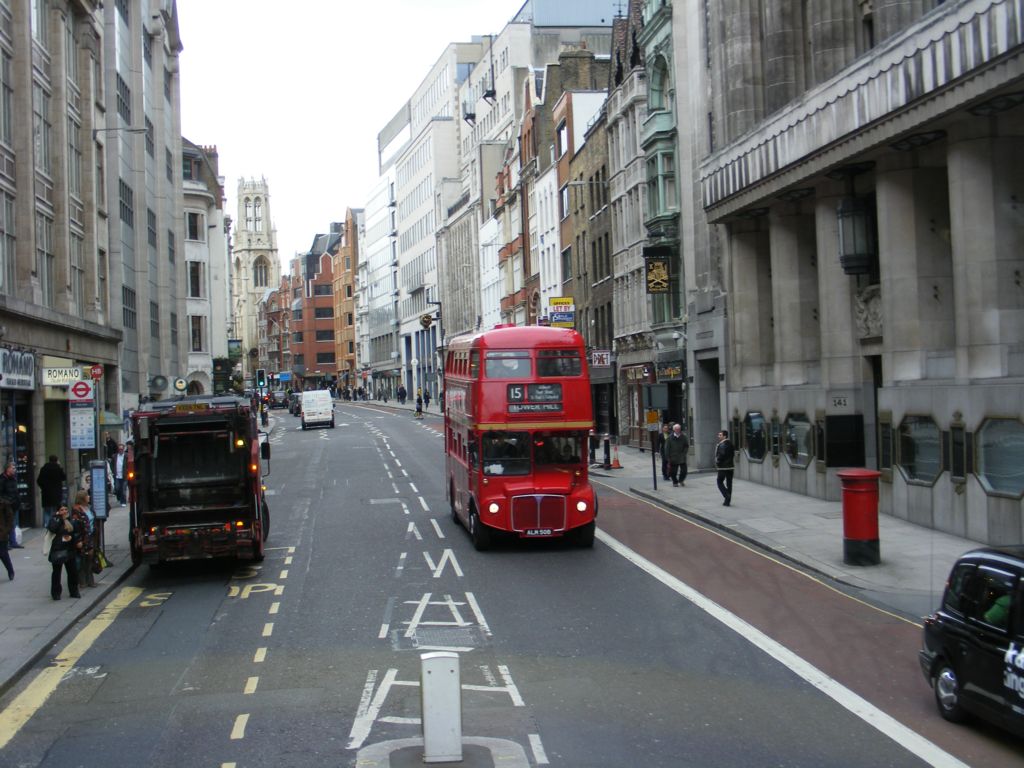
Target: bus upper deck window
558 362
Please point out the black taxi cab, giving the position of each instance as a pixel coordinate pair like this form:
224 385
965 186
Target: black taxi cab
973 653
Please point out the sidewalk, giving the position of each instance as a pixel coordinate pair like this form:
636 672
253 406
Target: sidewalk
31 622
915 561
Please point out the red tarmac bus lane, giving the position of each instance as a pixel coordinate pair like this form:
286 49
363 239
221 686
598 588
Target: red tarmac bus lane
866 649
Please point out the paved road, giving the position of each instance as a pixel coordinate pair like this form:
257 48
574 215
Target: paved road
574 657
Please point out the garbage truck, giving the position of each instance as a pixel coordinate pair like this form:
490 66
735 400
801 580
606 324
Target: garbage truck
195 474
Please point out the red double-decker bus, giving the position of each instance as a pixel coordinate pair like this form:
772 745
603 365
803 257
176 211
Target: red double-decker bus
517 420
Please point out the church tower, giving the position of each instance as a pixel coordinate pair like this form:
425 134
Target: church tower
255 266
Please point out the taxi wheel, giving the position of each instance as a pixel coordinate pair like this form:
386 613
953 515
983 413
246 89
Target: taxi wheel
947 693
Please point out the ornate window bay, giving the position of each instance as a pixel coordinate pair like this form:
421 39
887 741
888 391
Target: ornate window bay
798 439
920 449
1001 456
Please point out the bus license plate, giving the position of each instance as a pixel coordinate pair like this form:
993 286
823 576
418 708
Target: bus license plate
538 532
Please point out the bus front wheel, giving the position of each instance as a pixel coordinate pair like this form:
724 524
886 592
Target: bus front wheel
584 535
478 532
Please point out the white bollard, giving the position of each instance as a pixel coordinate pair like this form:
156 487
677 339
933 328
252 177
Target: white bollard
441 701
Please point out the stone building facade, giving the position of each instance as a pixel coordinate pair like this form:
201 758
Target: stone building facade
860 172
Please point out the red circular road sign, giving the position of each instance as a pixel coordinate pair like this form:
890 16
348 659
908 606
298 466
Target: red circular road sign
96 372
82 390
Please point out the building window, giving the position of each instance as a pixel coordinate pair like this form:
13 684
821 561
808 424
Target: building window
661 184
322 290
41 128
323 313
657 91
258 208
6 100
40 22
325 335
196 226
167 85
1001 456
154 320
150 139
755 436
122 9
45 258
74 158
126 202
248 214
7 244
169 165
147 49
196 332
259 273
297 337
348 291
128 312
174 329
920 456
195 280
151 227
170 245
799 440
324 358
76 258
101 280
563 138
124 100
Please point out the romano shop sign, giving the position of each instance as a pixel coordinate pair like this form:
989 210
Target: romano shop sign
18 369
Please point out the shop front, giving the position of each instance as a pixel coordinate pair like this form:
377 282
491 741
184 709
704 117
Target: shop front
17 386
672 374
632 420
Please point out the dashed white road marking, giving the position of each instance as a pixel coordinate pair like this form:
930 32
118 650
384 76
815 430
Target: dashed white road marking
274 608
437 528
423 503
268 629
539 755
250 686
238 731
260 656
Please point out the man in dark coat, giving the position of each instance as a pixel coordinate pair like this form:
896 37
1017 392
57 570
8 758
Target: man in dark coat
724 457
51 486
678 446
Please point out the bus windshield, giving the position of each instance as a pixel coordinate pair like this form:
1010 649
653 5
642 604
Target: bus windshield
558 448
506 453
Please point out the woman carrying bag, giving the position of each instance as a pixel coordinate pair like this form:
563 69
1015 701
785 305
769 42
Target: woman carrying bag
67 538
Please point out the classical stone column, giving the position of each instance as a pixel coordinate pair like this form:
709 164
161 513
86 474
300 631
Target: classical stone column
831 27
744 80
840 354
893 16
783 55
794 295
986 172
750 305
916 270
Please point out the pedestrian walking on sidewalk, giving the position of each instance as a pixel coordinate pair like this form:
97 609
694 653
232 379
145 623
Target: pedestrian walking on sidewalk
119 461
419 405
63 551
51 486
6 524
426 399
661 446
9 496
724 457
678 448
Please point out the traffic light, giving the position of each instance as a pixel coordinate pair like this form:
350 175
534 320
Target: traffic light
426 320
261 378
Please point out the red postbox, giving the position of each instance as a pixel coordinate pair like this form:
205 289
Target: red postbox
860 516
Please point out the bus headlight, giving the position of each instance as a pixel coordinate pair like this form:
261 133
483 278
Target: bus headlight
493 507
581 506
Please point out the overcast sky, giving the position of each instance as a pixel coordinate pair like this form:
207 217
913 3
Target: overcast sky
297 91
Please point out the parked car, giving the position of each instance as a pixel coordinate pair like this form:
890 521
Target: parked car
973 654
278 399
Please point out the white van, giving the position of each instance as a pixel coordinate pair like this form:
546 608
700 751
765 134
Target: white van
317 408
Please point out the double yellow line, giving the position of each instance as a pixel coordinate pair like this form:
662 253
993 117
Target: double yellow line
31 700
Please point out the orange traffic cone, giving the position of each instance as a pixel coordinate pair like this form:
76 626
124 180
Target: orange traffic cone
615 457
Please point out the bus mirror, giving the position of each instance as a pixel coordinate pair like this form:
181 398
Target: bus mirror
265 451
144 428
